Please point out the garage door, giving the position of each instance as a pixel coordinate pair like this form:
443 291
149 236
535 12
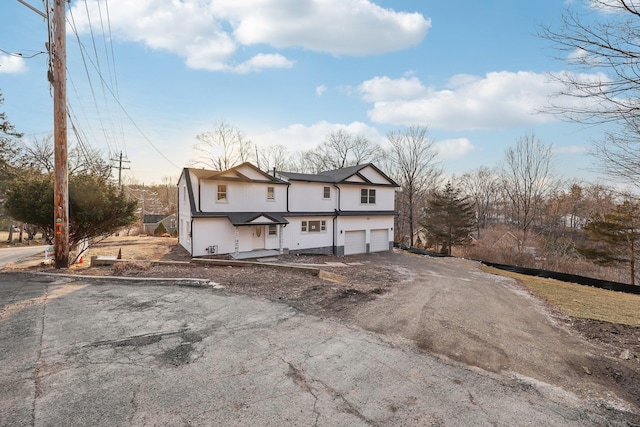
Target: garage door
354 242
379 240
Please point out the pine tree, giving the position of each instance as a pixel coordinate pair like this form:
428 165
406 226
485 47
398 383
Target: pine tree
449 219
613 237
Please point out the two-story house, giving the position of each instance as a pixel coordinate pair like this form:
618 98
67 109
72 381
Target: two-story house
243 209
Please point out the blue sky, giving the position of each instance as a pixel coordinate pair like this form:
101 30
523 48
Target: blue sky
291 71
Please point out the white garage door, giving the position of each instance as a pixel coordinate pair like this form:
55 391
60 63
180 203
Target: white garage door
354 242
379 240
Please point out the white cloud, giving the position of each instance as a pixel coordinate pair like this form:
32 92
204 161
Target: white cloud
453 148
299 137
10 64
263 61
320 90
338 27
381 89
496 101
208 33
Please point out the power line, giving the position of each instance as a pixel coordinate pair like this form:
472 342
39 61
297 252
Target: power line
21 55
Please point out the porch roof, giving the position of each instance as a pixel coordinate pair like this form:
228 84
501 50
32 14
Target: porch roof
256 218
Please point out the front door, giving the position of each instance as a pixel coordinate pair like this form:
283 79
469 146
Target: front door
258 237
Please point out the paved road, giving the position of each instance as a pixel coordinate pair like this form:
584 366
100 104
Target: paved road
9 255
79 353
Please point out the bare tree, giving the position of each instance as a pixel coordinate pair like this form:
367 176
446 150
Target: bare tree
274 156
341 149
37 155
605 44
415 169
222 147
482 187
527 180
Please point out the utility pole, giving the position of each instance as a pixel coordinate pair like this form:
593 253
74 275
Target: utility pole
58 79
120 168
61 179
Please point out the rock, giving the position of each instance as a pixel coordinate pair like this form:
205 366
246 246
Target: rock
586 370
626 355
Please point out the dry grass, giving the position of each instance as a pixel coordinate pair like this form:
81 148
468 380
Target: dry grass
581 301
134 247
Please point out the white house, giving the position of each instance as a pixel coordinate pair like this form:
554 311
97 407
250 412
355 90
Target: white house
243 209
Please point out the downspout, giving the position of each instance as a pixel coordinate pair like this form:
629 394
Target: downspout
190 234
199 198
335 221
288 185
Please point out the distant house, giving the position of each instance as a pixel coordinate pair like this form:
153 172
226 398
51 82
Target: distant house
243 209
152 221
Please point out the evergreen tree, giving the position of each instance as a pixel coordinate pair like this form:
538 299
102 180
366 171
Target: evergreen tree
96 207
613 237
449 219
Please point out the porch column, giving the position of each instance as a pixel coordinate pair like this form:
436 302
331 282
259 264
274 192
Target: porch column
237 237
280 228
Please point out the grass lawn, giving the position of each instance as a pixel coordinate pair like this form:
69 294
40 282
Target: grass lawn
580 301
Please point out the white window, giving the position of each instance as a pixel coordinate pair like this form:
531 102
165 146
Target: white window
222 193
314 226
271 193
326 193
368 196
273 230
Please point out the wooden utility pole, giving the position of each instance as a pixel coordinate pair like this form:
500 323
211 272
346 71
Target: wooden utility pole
120 169
61 179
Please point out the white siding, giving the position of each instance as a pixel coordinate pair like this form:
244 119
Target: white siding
309 197
242 197
294 239
372 175
184 214
350 198
213 231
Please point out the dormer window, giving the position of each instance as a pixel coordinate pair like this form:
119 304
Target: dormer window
368 196
222 193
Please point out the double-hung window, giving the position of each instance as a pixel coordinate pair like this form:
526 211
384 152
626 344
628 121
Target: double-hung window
313 226
271 193
222 193
326 193
368 196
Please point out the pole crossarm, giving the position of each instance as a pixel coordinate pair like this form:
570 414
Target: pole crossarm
44 15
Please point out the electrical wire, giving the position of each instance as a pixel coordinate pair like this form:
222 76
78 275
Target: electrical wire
21 55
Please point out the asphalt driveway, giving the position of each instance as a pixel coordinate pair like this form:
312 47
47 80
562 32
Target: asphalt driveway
79 352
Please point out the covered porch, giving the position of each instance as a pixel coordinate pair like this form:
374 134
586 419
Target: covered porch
257 235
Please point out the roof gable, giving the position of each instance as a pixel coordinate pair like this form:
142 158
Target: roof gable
359 174
246 172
